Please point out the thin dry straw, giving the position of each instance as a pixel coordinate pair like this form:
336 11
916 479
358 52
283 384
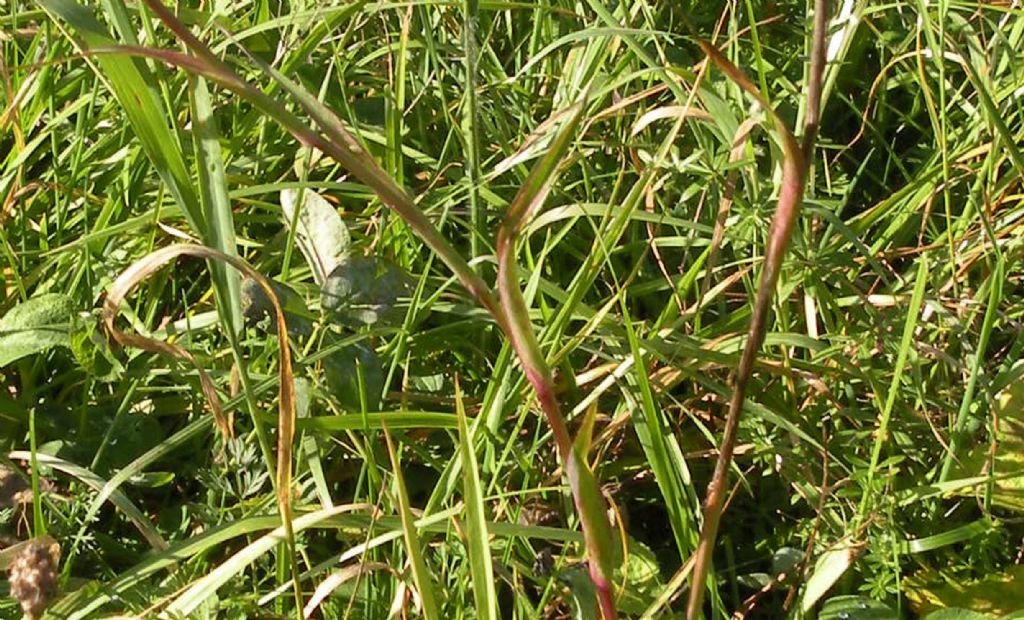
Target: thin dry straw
145 267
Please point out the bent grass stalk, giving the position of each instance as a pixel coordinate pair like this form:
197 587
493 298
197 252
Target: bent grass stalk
148 265
581 479
795 166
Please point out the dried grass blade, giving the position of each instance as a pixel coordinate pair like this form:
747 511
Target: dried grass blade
149 264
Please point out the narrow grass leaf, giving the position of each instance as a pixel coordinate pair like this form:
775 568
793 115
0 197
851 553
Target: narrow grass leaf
420 575
213 194
88 478
662 451
481 570
199 592
335 580
376 421
954 536
794 172
906 344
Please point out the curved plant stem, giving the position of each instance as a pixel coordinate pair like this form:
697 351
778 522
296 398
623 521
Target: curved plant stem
586 494
796 161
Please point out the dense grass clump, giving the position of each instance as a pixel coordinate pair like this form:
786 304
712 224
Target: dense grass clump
370 309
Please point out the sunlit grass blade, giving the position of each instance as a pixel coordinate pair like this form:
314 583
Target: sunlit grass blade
208 211
119 499
881 433
143 108
663 452
420 574
206 587
213 194
484 593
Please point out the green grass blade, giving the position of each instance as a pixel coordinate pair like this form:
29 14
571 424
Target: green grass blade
906 343
995 295
470 129
662 451
117 498
141 105
398 420
482 573
213 194
420 575
199 592
209 212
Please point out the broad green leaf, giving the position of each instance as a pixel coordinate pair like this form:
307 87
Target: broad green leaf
832 565
36 325
259 311
92 351
1007 468
856 608
319 232
342 368
583 592
365 290
786 559
641 576
998 594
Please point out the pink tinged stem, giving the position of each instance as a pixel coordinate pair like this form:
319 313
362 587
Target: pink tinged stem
796 161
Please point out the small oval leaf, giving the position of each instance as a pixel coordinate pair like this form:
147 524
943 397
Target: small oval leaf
364 290
342 369
856 608
320 234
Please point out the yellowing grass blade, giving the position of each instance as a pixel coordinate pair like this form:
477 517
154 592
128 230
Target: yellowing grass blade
148 265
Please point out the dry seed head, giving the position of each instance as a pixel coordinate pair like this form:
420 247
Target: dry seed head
33 576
